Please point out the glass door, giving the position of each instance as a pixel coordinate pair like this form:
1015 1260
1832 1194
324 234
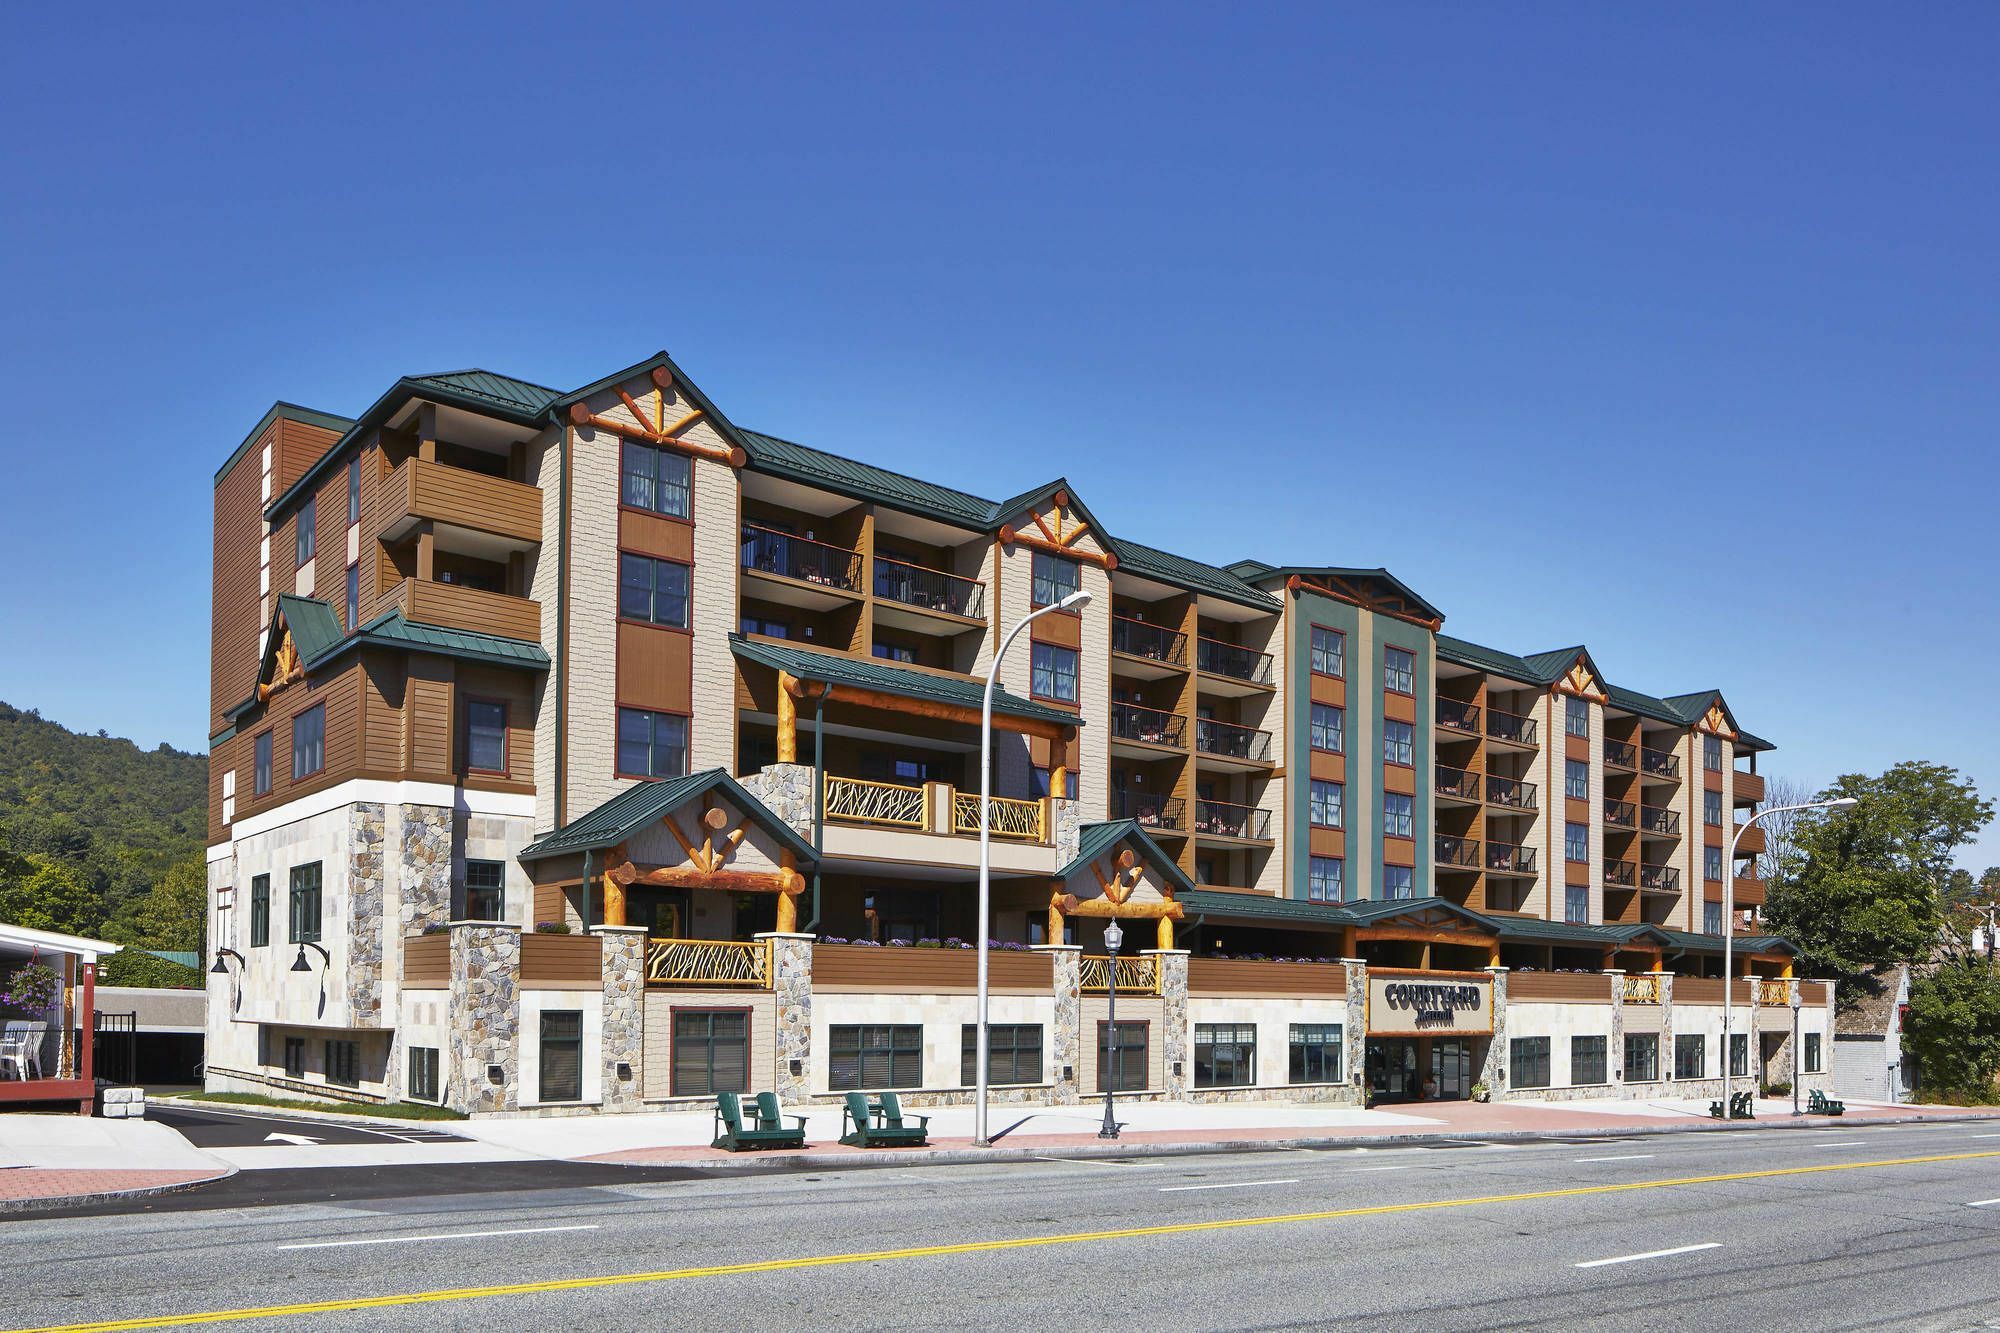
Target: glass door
1392 1068
1451 1068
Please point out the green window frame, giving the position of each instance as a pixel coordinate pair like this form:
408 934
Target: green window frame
1642 1057
295 1057
422 1083
343 1063
1589 1063
1013 1053
1739 1054
304 905
1528 1062
485 891
1813 1053
1690 1055
1129 1057
560 1036
1315 1053
711 1052
861 1056
260 911
1225 1055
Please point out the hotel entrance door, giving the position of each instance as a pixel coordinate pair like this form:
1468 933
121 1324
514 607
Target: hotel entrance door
1451 1066
1392 1069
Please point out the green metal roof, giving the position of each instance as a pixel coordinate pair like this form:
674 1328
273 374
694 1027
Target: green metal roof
865 481
1553 666
184 957
286 412
1153 563
1408 593
1254 907
646 803
1645 705
1692 943
314 626
870 674
390 630
501 390
1097 839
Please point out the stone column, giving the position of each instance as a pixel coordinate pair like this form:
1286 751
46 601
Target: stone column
1174 1052
623 1041
1354 1033
367 923
792 988
425 863
1494 1072
1066 1041
1666 1025
1615 1057
485 1018
1067 816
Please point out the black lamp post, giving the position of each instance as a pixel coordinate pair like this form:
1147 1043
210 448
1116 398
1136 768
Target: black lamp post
1797 1063
1113 937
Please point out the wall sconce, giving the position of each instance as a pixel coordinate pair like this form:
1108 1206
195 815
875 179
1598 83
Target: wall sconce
300 964
221 969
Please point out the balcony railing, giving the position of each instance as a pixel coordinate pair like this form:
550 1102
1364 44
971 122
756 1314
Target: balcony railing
1746 788
1230 741
1642 988
1621 754
1458 716
708 963
1659 763
1659 819
1135 638
1149 726
1222 820
1462 853
929 589
1006 817
460 606
1511 792
1139 976
1621 814
1457 782
864 802
421 489
769 551
1510 727
1150 811
1227 659
1506 858
1660 879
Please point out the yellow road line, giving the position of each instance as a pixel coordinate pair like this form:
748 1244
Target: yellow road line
967 1247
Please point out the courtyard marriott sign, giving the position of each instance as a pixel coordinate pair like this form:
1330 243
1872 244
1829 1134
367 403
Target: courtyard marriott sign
1420 1003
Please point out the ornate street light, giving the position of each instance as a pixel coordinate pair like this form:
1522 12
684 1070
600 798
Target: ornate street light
1113 937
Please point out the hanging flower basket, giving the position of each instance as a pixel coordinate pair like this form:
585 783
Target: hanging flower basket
33 990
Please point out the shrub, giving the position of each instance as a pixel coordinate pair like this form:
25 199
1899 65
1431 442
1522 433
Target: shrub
33 990
552 927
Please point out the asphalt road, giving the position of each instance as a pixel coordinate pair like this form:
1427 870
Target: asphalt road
1834 1228
207 1127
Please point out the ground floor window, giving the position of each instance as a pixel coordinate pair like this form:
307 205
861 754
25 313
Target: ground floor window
1690 1055
1587 1061
295 1057
1315 1053
1013 1053
1225 1055
1812 1053
1528 1062
1642 1057
485 891
1739 1054
423 1080
562 1055
875 1055
1123 1069
711 1052
343 1063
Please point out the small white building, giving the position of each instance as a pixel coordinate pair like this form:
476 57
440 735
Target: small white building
1868 1061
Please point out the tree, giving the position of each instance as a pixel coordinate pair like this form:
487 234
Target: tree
1953 1028
1780 831
174 915
45 895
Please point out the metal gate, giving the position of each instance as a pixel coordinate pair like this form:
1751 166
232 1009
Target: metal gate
115 1047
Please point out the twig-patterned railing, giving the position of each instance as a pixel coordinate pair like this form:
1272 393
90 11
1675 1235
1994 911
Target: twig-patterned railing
1642 988
708 963
1773 991
1007 817
868 802
1136 975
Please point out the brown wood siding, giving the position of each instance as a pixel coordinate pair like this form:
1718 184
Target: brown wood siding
1238 976
852 967
1575 747
341 693
1399 778
1815 992
517 691
1321 842
1326 767
564 962
427 960
1575 811
649 534
383 691
1329 690
655 668
1059 627
1399 851
1687 990
428 712
1561 987
463 498
1398 707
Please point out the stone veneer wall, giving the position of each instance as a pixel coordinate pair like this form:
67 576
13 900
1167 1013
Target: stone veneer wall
623 1036
424 860
1354 1036
787 792
485 1018
1494 1073
1068 821
791 982
364 913
1176 1061
1065 1053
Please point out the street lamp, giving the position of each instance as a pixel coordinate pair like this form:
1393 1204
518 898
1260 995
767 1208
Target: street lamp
1113 937
1729 935
1075 600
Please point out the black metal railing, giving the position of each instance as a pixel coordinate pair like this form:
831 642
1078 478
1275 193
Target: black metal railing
1662 879
1621 874
1457 782
1228 659
930 589
1458 716
1223 820
1460 853
1510 727
1659 819
772 552
1659 763
1621 814
1230 741
1508 859
1621 754
1130 722
1149 810
1135 638
1511 792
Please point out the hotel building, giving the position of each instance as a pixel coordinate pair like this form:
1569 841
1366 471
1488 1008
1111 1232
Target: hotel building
583 750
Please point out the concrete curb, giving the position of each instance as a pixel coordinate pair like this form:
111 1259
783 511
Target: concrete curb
280 1113
54 1202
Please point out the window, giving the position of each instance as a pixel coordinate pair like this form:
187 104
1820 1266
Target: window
1576 779
1122 1069
1711 918
1576 842
1399 671
343 1063
261 774
1326 879
875 1055
562 1056
893 652
770 629
711 1052
1225 1055
655 591
1576 904
1329 728
1711 809
1739 1054
1399 743
1398 815
1812 1055
295 1057
1055 577
1329 652
1327 802
422 1084
1528 1062
260 911
1399 882
304 905
1576 716
1642 1057
1711 753
309 742
354 490
1013 1053
651 745
1690 1055
656 479
1711 864
1315 1053
1587 1061
485 736
1052 672
305 534
485 891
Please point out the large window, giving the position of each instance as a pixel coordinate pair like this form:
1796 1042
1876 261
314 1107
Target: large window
1329 728
305 535
1315 1053
1399 671
1528 1062
1690 1055
1399 882
1013 1053
1711 864
353 596
875 1055
1326 880
422 1084
1587 1065
561 1056
1052 672
304 905
1399 743
1711 809
1329 652
260 779
1576 842
1812 1053
309 742
1576 779
1399 817
651 745
485 736
1122 1070
1711 753
656 479
354 490
343 1063
260 911
711 1052
1327 804
1576 904
1642 1057
1711 918
485 891
655 591
1055 577
1739 1054
1576 716
1225 1055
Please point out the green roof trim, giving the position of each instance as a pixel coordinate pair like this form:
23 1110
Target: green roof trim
1255 907
390 630
870 674
646 803
283 411
501 390
864 481
1095 840
314 627
184 957
1265 573
1166 567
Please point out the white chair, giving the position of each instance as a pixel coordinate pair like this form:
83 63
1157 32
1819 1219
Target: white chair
21 1051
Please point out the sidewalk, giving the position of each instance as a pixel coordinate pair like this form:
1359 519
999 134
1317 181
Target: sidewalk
73 1159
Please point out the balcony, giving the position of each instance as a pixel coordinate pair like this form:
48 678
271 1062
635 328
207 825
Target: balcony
1660 879
1621 754
798 571
1621 814
935 808
1659 764
927 590
1504 858
1641 987
1749 891
1511 793
457 606
1510 728
1135 976
1659 821
1455 784
1621 874
420 490
1236 670
1006 817
1220 819
1156 814
1457 853
1155 650
708 963
1454 715
1147 726
1226 741
1746 788
1749 839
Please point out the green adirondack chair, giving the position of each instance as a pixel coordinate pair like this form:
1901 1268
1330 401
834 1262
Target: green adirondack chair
880 1125
767 1131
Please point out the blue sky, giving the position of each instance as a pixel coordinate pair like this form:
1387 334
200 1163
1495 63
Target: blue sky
1670 334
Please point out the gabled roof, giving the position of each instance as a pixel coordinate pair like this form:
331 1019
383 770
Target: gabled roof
1097 839
865 481
501 390
1370 911
1416 606
390 630
870 674
645 804
1465 653
1554 664
283 411
314 627
1166 567
1257 907
1645 705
